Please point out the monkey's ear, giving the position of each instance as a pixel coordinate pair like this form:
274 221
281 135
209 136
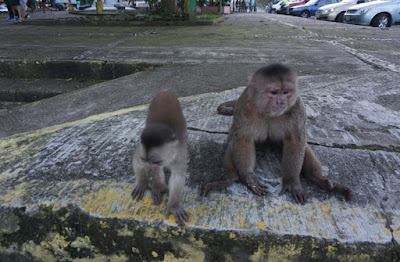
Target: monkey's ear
250 78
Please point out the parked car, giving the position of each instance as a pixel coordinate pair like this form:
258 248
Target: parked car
285 8
310 8
276 7
335 12
380 13
3 8
267 7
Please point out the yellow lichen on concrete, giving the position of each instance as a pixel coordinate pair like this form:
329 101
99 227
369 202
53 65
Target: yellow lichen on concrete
9 175
288 252
189 253
197 243
240 222
82 242
151 232
14 195
124 232
259 255
261 225
104 224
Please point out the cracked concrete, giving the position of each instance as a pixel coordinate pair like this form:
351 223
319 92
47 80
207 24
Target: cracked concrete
65 162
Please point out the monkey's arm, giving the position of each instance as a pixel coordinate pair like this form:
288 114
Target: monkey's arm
142 178
244 160
176 184
294 146
158 186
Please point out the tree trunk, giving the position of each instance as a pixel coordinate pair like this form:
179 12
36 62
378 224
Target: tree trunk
169 6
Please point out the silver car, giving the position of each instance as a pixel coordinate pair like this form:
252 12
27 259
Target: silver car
335 12
380 13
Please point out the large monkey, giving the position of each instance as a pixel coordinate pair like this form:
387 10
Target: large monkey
270 109
163 145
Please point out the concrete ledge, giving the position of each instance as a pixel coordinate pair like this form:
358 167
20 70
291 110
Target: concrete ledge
66 196
118 19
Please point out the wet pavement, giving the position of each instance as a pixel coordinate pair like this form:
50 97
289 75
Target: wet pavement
65 162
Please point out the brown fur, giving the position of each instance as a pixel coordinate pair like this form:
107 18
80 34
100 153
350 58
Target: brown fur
163 145
270 109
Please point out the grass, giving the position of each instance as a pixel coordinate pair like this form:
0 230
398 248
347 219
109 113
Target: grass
208 16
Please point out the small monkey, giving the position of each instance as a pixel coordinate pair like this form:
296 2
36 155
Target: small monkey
163 146
270 109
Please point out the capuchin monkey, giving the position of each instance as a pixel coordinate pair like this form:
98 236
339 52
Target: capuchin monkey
163 146
270 109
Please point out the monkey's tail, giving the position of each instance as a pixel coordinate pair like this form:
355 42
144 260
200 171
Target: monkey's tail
226 108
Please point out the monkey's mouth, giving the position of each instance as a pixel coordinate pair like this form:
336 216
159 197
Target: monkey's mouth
153 166
278 108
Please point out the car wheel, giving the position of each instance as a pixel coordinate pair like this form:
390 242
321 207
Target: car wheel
381 20
340 18
305 14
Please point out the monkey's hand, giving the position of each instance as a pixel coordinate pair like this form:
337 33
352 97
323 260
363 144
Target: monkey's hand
156 194
180 214
138 192
298 193
256 187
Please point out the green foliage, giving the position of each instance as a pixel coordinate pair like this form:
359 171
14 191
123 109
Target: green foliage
208 16
201 2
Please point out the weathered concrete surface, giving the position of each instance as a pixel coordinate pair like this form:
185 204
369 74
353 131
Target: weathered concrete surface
65 162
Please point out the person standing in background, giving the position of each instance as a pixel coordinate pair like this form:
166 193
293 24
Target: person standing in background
22 3
12 14
17 6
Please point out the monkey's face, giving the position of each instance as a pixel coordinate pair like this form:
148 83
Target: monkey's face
276 97
279 100
160 156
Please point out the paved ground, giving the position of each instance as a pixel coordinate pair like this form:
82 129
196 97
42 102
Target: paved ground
66 174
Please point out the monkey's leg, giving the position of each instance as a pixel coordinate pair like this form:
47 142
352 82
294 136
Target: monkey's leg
244 160
230 176
312 170
158 186
176 184
142 178
292 160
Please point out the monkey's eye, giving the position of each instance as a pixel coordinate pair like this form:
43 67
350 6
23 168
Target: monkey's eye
285 92
157 162
274 92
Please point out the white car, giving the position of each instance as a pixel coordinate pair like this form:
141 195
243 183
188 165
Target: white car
3 8
380 13
335 12
276 7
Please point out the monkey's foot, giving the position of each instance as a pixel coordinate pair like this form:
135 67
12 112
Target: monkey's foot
256 187
138 192
180 214
156 195
298 193
219 184
342 189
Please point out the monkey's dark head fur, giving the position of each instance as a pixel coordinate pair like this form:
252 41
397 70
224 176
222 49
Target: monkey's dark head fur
157 134
274 70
